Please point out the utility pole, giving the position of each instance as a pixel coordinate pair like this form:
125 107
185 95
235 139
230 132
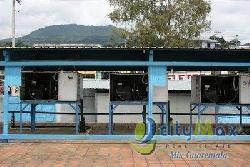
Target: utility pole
13 23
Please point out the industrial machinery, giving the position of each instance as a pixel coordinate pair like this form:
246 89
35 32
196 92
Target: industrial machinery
39 86
221 89
62 86
134 87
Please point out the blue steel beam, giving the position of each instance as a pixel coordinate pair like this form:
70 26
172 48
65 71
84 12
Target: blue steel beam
150 86
159 138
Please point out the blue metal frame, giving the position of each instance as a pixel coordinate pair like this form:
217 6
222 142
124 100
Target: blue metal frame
13 74
202 107
75 105
163 106
128 138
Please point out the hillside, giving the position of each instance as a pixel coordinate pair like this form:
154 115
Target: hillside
72 33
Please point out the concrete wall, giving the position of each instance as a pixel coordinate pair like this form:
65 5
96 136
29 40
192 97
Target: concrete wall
64 108
102 106
89 105
179 104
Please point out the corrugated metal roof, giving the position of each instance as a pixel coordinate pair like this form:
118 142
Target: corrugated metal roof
104 84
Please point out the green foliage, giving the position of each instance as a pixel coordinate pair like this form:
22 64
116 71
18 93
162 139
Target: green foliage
116 38
167 23
9 44
221 40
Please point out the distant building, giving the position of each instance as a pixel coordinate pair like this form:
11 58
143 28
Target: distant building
209 43
235 43
243 47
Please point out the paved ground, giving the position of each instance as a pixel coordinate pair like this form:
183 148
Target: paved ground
58 154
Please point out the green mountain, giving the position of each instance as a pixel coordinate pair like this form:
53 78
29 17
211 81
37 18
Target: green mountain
72 33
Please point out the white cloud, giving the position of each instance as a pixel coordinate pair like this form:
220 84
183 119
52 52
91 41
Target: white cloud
230 17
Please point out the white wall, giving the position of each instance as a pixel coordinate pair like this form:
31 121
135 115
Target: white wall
179 103
89 105
102 106
64 108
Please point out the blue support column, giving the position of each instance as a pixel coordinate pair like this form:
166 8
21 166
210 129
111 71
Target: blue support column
77 118
167 115
216 113
21 118
199 119
156 77
150 86
241 116
33 117
191 116
144 114
111 118
163 114
5 109
12 79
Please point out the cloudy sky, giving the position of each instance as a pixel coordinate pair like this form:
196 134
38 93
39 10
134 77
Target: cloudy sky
229 17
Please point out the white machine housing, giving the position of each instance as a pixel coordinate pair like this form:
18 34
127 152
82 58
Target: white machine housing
69 86
244 88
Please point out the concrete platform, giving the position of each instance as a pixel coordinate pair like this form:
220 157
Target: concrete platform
88 154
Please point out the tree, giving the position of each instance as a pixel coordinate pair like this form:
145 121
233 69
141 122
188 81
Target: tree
19 43
221 40
117 38
167 23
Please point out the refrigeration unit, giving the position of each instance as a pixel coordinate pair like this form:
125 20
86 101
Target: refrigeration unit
59 86
134 87
233 89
